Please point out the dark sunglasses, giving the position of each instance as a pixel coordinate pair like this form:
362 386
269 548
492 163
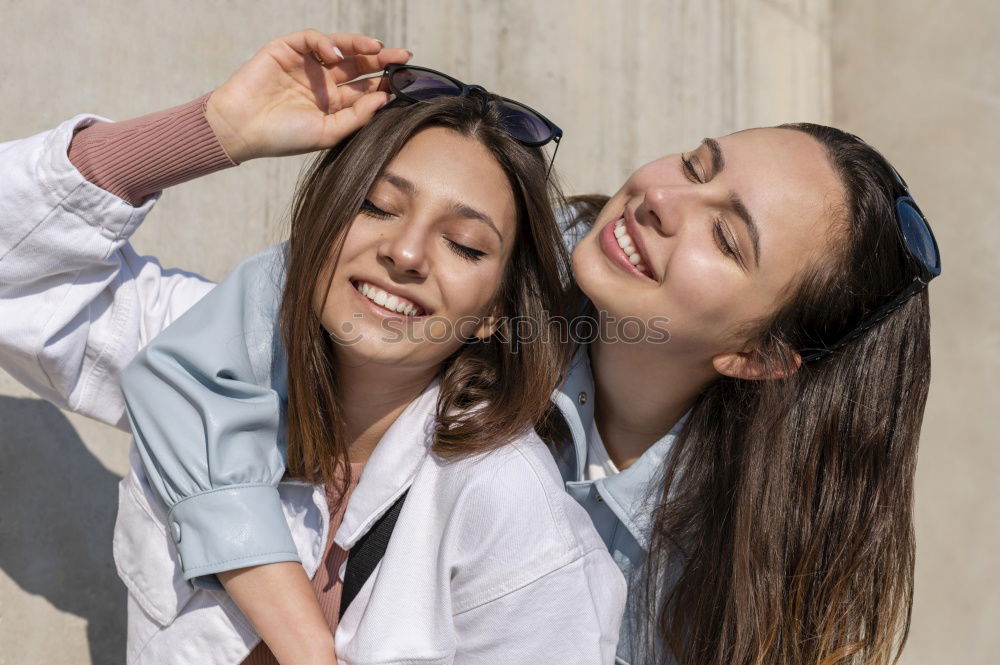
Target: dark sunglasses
919 241
522 123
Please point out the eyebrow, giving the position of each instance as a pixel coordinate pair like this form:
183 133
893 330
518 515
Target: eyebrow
740 208
456 208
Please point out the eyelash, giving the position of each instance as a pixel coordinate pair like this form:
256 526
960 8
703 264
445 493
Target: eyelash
720 237
689 171
467 253
373 210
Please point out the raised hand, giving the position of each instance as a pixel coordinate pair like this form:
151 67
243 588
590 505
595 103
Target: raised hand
289 98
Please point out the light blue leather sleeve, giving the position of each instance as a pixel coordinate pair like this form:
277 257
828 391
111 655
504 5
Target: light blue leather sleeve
205 399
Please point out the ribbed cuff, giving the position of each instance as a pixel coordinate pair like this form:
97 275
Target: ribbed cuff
138 157
231 528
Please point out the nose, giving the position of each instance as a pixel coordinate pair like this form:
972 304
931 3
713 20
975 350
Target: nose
403 250
665 207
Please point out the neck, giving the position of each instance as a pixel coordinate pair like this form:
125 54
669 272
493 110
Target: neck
641 394
376 396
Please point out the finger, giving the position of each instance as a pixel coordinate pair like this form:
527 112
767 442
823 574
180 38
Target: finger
354 44
350 93
315 43
359 65
339 125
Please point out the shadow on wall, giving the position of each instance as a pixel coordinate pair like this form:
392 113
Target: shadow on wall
57 515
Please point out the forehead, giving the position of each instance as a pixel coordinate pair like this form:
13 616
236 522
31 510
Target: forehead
788 184
783 175
446 167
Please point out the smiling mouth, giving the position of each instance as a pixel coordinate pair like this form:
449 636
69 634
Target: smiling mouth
619 246
390 302
625 242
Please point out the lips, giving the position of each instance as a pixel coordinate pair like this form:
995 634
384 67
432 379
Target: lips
391 300
623 247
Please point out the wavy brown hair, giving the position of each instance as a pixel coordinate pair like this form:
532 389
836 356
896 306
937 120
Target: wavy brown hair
786 536
490 391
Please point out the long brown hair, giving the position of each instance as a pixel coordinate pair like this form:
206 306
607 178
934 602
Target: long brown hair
783 532
490 391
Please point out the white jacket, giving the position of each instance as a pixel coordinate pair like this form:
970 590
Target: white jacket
490 561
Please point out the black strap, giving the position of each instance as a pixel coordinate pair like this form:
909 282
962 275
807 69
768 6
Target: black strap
367 552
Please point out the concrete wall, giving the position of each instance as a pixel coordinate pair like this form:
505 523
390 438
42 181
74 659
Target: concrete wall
627 81
919 79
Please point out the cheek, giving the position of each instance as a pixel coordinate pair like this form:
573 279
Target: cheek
467 291
706 298
360 239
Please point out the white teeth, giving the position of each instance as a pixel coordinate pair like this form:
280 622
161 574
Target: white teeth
625 242
387 300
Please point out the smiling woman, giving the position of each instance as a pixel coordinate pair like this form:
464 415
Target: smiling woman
432 209
441 185
751 472
435 213
791 262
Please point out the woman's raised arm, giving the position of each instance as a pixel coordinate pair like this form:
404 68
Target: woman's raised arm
76 300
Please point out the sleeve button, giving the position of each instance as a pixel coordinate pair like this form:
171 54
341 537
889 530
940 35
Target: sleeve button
175 528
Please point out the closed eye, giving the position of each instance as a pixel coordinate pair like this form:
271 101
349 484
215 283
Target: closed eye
690 172
720 239
728 247
373 210
467 253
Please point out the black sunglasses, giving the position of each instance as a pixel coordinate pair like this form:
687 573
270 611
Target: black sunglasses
521 122
919 241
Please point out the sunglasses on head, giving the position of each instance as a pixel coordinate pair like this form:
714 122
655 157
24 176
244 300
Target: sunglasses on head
522 123
918 239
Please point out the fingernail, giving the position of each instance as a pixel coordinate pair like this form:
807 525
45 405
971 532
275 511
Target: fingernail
380 42
409 51
340 54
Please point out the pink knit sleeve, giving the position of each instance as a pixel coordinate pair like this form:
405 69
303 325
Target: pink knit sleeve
138 157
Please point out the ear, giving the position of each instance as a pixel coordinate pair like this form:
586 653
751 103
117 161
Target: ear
487 326
749 365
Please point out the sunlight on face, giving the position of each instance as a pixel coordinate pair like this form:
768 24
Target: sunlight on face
718 234
423 259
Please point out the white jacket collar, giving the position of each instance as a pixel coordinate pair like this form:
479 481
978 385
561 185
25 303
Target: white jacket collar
391 468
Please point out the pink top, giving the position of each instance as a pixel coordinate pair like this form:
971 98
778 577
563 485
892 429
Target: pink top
138 157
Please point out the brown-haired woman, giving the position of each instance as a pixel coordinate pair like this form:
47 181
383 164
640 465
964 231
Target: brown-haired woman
767 450
414 242
759 505
744 410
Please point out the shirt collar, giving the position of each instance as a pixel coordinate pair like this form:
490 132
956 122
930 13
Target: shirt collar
392 466
633 493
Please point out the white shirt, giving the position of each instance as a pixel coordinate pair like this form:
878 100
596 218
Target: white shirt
599 464
490 561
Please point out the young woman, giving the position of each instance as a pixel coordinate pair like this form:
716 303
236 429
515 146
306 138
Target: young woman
750 471
756 489
489 561
770 498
